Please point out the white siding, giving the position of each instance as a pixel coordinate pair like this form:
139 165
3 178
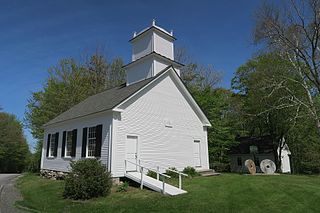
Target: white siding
140 70
147 68
160 65
142 46
163 46
62 164
147 116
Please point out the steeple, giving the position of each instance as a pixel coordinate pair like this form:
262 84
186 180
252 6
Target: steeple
152 51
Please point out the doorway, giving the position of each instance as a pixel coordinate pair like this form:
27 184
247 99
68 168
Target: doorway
196 153
131 152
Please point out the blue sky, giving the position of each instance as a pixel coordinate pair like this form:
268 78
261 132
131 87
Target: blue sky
36 34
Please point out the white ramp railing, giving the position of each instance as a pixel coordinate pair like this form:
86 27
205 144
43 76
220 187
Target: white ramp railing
142 168
168 169
158 170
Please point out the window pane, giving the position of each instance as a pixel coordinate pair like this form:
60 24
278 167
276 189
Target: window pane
52 143
91 147
69 143
91 142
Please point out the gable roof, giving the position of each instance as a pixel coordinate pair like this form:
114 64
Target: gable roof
190 99
103 101
111 99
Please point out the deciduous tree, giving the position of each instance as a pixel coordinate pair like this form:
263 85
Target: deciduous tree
266 94
14 150
69 83
294 32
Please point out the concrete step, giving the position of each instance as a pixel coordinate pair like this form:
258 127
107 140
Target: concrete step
208 172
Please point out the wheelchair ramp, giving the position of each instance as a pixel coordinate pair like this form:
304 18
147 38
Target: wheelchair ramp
154 184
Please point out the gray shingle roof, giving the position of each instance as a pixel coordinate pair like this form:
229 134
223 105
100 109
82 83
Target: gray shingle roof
103 101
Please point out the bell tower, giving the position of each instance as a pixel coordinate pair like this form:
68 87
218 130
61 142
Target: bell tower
152 51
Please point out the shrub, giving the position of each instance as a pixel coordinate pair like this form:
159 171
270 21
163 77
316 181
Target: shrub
88 178
220 167
190 171
33 164
123 187
152 174
171 173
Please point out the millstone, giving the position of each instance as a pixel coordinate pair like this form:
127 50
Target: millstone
268 166
251 166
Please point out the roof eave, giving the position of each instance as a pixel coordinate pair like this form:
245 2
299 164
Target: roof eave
177 64
77 117
153 28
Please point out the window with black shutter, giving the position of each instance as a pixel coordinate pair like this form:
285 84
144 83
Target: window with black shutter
92 141
69 144
68 147
52 145
48 144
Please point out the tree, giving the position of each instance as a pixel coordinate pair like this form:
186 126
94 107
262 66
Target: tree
196 76
304 145
267 108
69 83
294 32
14 150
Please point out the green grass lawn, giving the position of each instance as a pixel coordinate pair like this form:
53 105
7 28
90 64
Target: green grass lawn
225 193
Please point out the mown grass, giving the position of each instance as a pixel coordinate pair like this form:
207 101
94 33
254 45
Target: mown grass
225 193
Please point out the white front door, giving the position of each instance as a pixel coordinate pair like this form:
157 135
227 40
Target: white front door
196 153
131 152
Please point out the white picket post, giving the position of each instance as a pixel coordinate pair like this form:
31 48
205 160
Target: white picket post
180 181
141 185
158 171
163 184
125 166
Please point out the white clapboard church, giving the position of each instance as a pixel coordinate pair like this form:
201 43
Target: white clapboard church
152 120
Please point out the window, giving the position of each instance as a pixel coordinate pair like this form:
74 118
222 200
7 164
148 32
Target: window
52 145
92 139
68 148
239 161
253 149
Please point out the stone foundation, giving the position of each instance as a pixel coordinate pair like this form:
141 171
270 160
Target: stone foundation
53 175
116 181
58 175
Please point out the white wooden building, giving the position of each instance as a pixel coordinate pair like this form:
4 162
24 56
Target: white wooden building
152 118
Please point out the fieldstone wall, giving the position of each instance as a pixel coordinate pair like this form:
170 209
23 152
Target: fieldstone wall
53 175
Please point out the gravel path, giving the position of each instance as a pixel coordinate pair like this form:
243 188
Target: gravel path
9 194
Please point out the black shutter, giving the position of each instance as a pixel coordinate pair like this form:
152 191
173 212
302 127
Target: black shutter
98 140
48 144
56 145
84 142
74 143
63 147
